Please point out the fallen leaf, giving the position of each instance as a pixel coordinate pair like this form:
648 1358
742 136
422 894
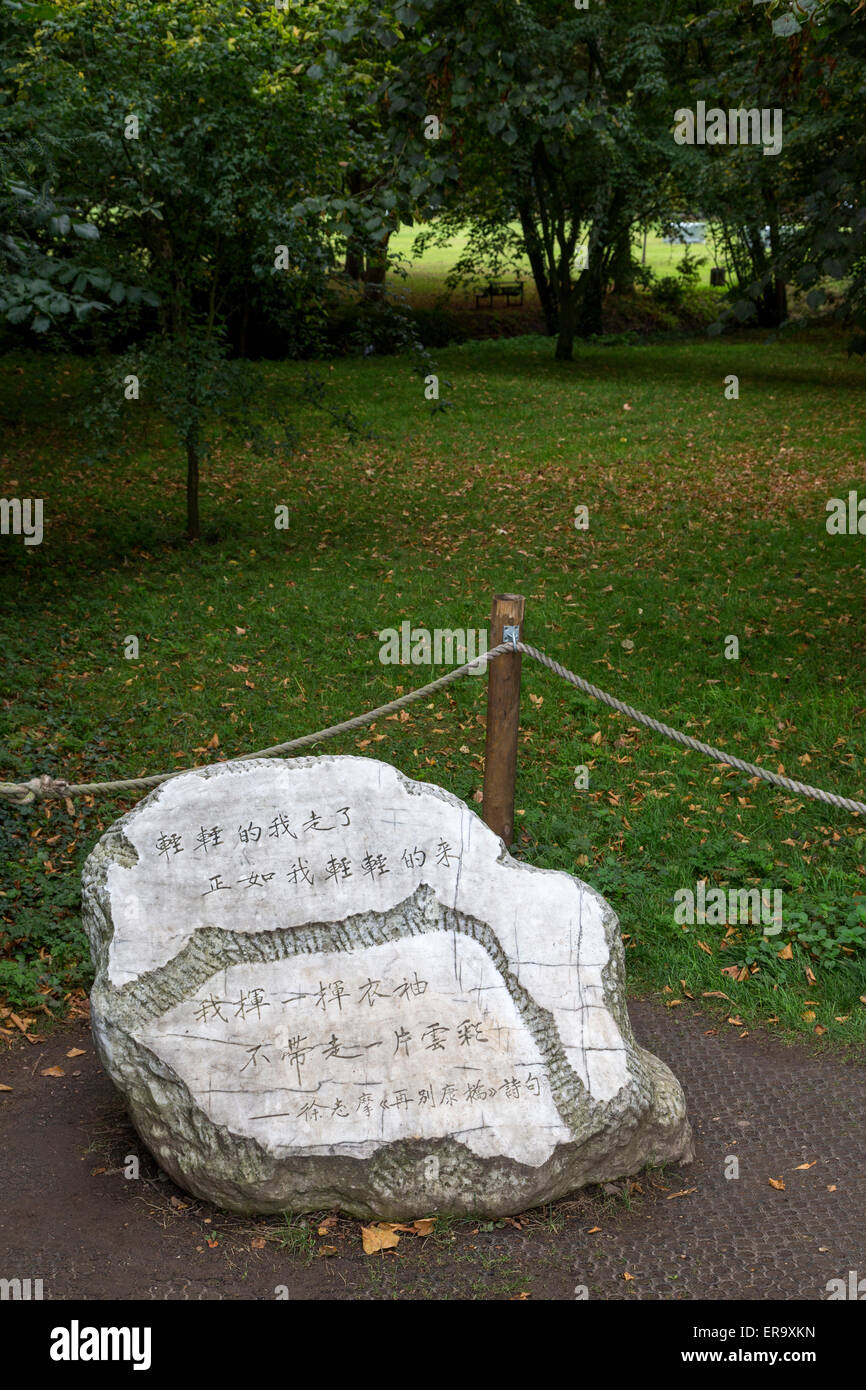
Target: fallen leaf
685 1192
424 1227
778 1183
53 1071
626 1275
802 1166
327 1250
714 994
375 1239
593 1230
841 1018
213 1244
786 953
737 1022
519 1298
704 947
327 1225
819 1028
811 978
76 1052
257 1243
808 1015
5 1088
831 1187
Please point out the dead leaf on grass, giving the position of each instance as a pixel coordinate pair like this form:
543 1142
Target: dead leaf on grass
376 1238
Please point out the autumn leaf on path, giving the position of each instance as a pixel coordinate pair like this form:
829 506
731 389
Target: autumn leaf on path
53 1071
381 1237
778 1183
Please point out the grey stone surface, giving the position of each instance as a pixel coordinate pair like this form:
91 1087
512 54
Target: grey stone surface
319 984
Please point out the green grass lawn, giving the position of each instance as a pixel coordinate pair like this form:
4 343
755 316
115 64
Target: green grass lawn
706 519
427 273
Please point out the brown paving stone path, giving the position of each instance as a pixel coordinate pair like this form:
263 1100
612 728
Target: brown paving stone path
71 1218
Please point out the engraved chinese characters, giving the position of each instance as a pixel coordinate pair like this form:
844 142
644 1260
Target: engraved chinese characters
320 984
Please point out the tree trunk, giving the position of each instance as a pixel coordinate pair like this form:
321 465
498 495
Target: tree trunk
567 326
589 317
354 261
623 270
377 269
535 254
772 306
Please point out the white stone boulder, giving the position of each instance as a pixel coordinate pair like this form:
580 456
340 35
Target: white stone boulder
322 985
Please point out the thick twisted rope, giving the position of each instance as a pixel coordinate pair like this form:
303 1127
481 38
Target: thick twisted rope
43 788
799 788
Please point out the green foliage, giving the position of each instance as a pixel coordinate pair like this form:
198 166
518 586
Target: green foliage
669 290
269 633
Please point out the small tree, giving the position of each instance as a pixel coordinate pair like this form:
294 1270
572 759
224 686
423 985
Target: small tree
189 130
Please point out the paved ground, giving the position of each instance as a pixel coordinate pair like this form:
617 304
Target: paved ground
71 1218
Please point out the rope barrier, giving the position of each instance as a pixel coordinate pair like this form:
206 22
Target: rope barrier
46 788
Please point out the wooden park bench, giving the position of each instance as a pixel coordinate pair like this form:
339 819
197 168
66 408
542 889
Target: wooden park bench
492 289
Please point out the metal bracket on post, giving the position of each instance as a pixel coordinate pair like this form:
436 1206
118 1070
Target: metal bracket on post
511 634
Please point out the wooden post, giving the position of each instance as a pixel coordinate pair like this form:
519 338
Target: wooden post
503 719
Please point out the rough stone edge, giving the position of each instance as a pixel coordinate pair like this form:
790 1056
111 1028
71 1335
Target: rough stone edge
660 1132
